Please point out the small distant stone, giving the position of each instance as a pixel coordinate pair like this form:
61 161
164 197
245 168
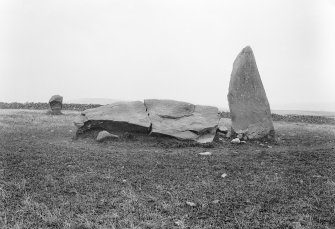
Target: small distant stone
52 131
191 204
270 147
244 142
261 144
55 105
215 201
245 138
124 180
221 139
236 141
228 135
179 223
205 153
224 175
240 136
103 135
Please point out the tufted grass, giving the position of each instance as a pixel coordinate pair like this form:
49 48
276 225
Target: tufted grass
50 180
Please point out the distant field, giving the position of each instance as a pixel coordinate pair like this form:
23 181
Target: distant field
297 112
50 180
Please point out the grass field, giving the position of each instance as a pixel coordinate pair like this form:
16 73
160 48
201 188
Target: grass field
50 180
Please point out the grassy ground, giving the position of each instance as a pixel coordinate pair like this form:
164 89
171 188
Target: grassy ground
50 180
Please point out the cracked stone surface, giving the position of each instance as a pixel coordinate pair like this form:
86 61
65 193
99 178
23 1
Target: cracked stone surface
182 120
177 119
119 116
248 104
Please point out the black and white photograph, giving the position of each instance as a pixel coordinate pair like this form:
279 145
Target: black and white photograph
149 114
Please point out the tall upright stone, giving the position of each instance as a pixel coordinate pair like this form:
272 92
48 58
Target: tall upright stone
55 105
248 104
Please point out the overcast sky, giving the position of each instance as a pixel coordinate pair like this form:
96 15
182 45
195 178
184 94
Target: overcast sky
175 49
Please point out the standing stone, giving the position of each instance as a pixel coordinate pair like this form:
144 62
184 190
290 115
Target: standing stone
56 104
248 104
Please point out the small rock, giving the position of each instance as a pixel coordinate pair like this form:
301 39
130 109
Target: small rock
224 175
317 176
223 129
244 142
240 136
179 223
221 139
205 153
228 135
103 135
270 147
245 138
52 131
296 225
73 191
261 144
191 204
215 201
124 180
236 141
224 125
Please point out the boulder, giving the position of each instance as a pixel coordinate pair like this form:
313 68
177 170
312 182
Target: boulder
248 104
117 117
182 120
55 104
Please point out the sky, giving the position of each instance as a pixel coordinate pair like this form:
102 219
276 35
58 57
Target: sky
177 49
